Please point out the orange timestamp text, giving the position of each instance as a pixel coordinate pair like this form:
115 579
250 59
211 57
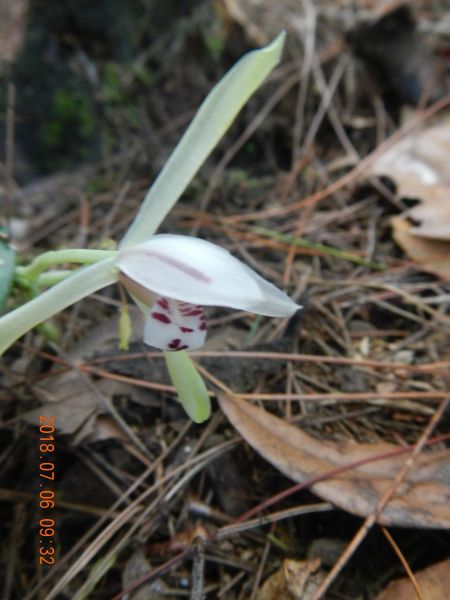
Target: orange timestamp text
46 491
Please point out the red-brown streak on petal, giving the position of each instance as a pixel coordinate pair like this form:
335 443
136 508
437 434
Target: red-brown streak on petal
185 347
186 329
203 326
194 313
177 264
162 302
160 317
174 344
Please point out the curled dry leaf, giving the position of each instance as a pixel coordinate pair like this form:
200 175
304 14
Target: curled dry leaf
294 580
418 165
422 500
434 255
433 582
433 215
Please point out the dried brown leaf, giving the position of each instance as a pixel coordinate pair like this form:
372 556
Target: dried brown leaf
74 400
422 500
434 255
418 162
433 216
294 580
102 427
418 165
433 582
71 414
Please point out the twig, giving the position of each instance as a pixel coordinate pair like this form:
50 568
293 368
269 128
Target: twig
384 500
244 517
404 562
348 177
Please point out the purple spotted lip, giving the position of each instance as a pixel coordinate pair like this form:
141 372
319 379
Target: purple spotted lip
187 273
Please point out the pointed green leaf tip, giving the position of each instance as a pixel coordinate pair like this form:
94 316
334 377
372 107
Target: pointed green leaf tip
214 117
190 386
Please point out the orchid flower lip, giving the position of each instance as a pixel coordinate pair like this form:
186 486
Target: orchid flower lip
187 273
172 325
192 270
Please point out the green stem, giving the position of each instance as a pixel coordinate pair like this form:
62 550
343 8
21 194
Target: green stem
191 388
57 257
83 282
46 280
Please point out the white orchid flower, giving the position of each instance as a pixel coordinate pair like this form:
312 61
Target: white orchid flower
184 273
187 273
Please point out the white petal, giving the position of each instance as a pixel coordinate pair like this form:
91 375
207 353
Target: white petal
171 325
199 272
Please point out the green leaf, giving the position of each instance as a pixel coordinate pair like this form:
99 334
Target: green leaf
190 386
83 282
7 264
212 120
125 329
